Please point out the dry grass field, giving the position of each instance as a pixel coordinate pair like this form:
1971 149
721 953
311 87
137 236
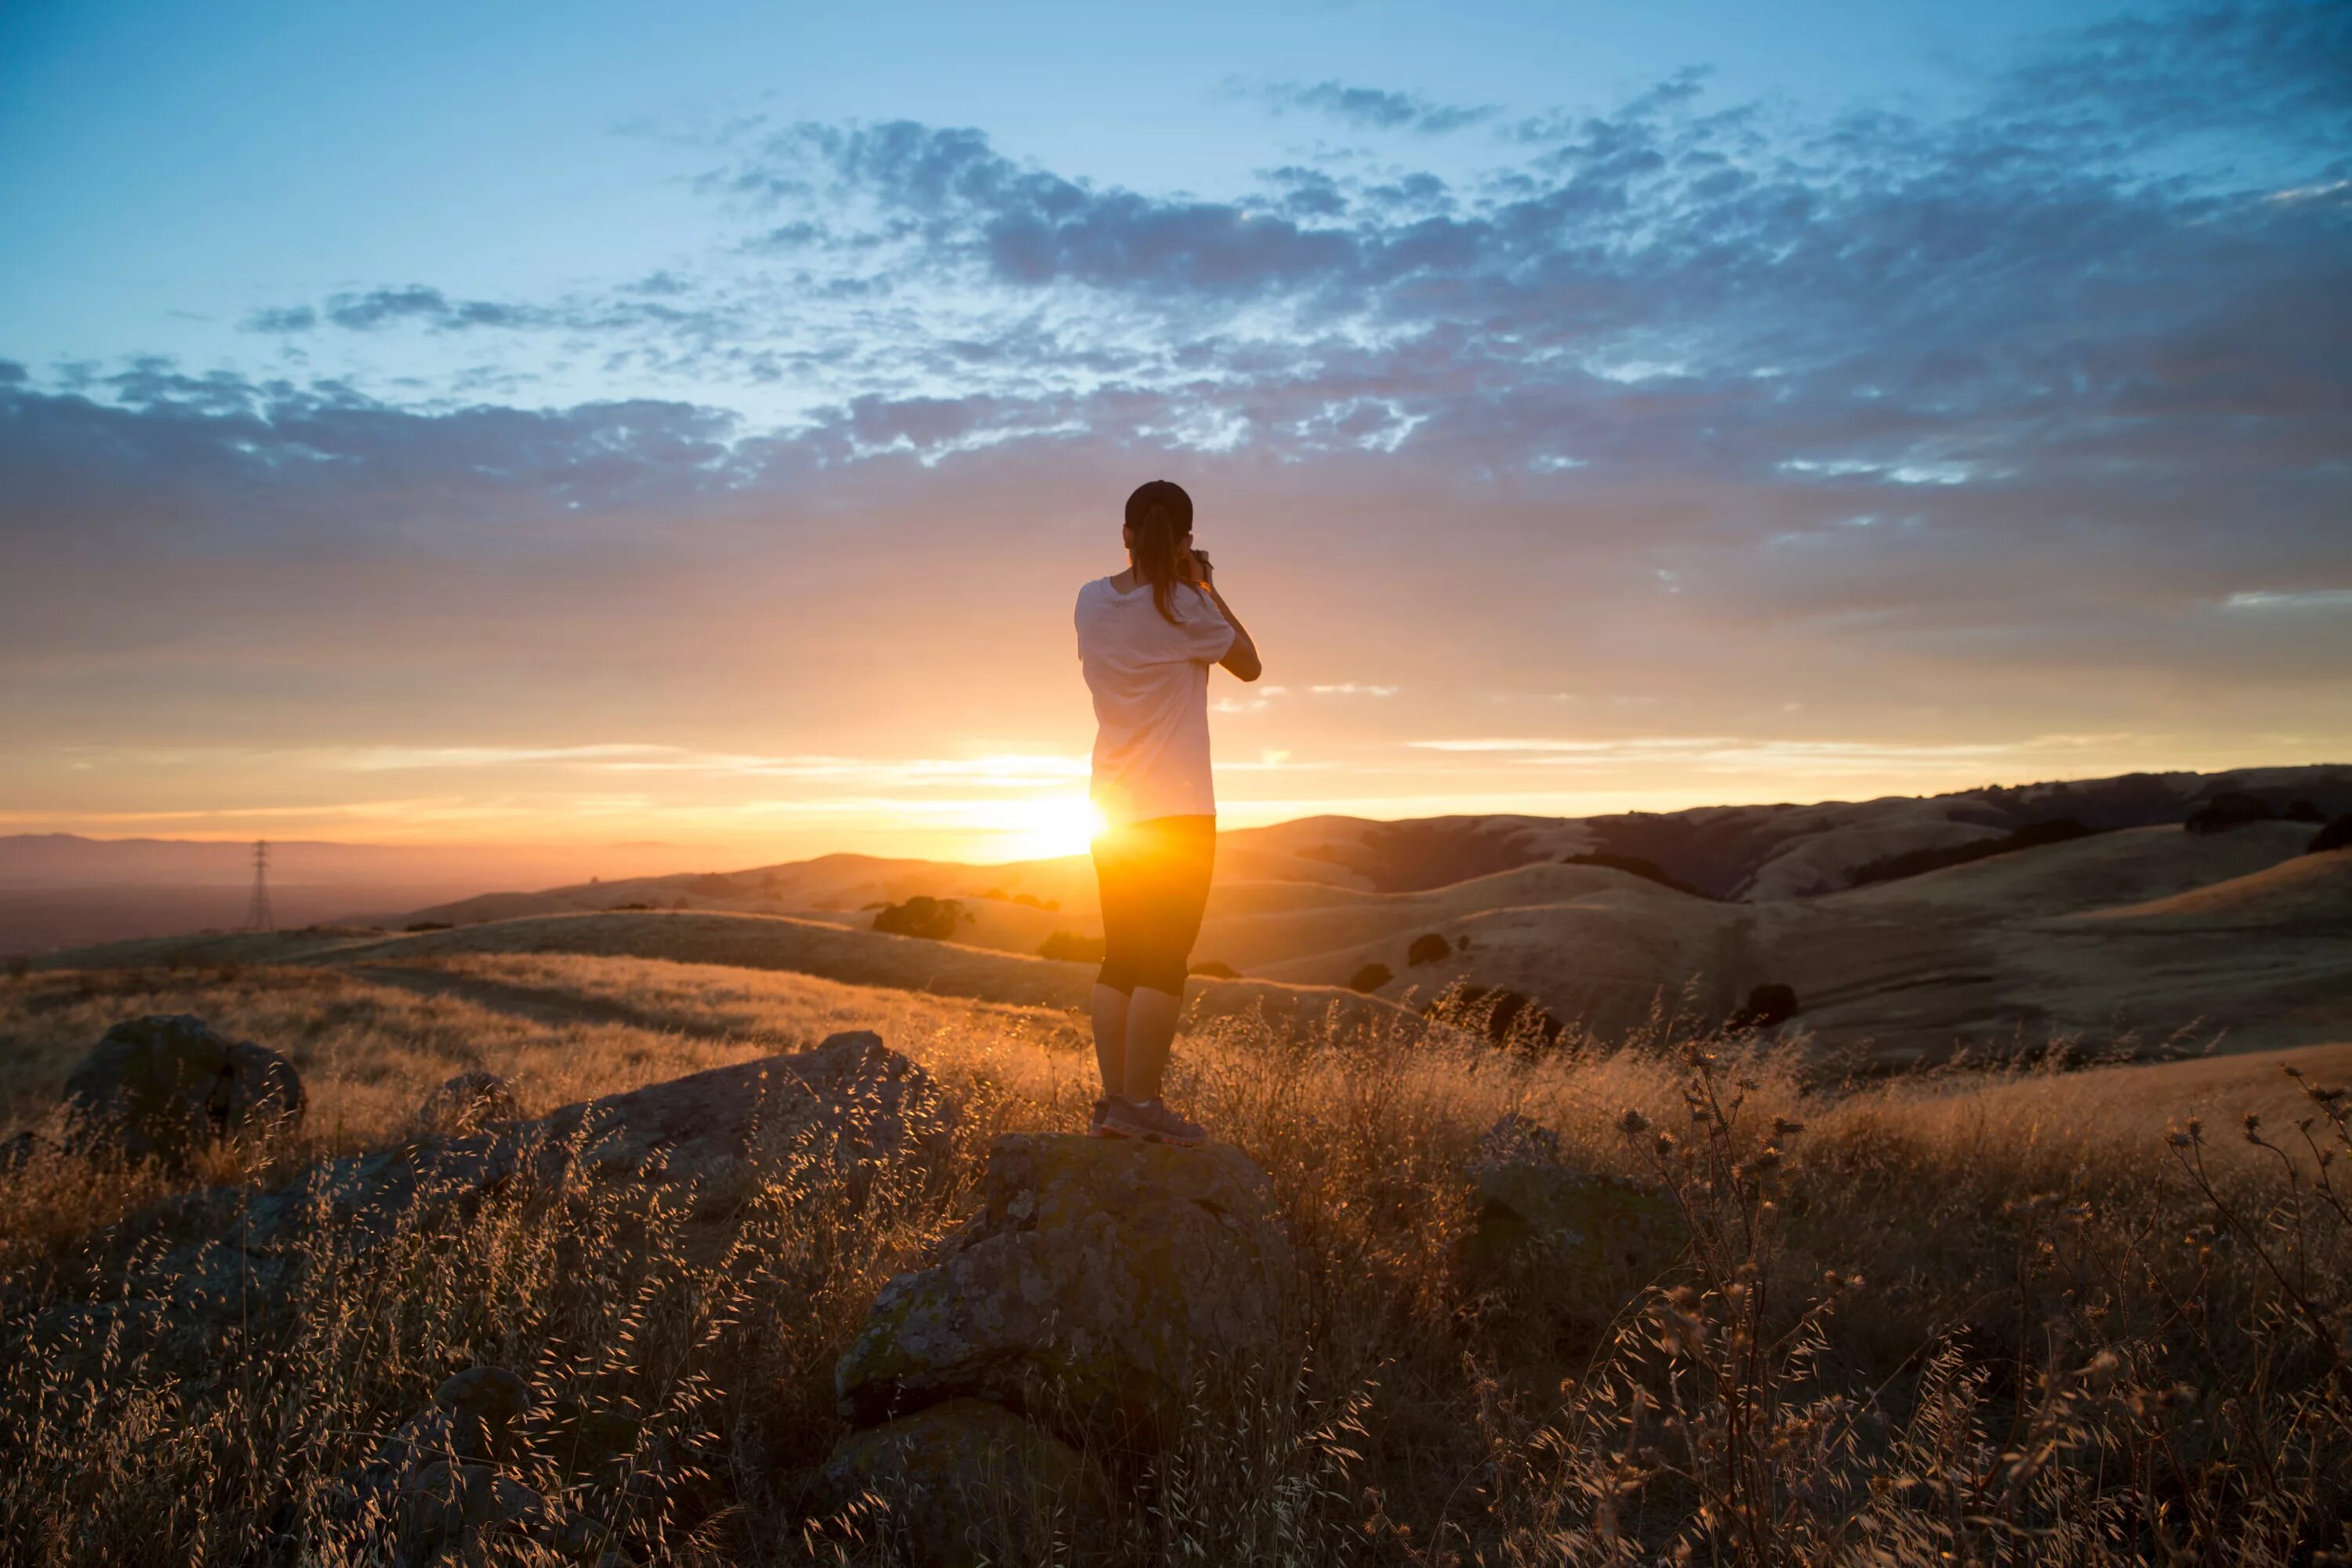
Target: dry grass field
2028 1315
2124 939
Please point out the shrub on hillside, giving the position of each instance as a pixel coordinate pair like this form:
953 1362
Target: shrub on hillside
922 915
1768 1005
1072 948
1912 862
2302 811
2337 834
1427 948
1215 970
1371 977
427 925
1503 1017
1634 865
2231 808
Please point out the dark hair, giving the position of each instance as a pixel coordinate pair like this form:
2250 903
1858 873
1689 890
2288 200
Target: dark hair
1159 513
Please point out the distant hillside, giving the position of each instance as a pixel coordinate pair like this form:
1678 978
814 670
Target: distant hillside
61 889
56 890
1754 852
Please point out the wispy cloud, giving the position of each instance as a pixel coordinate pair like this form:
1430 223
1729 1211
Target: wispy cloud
1975 419
1374 108
2291 599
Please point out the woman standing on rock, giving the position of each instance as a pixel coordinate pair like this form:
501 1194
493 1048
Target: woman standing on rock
1146 636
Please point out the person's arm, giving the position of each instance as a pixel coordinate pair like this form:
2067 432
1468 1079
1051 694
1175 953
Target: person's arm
1242 657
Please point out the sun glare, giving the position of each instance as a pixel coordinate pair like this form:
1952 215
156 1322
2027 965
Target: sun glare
1043 826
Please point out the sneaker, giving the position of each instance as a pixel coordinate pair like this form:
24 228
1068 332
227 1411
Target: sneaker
1096 1127
1154 1123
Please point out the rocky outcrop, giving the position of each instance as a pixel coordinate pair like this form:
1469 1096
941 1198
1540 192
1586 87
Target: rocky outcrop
849 1102
1580 1245
468 1104
165 1087
439 1488
846 1107
1101 1277
1105 1285
965 1482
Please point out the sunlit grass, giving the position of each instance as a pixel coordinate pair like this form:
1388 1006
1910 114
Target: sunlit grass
2011 1234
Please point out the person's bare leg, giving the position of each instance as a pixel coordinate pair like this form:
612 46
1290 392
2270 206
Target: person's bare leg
1110 1038
1151 1030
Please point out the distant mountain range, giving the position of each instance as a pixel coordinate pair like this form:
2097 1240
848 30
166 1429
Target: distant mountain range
60 889
2136 915
57 890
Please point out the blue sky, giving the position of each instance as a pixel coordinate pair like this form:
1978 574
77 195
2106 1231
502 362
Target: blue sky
519 151
610 422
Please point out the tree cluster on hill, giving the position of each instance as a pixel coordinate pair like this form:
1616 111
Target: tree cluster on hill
1768 1005
2232 808
1070 947
923 916
2337 834
1912 862
1027 901
1503 1017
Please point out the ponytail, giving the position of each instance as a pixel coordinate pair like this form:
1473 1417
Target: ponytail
1158 514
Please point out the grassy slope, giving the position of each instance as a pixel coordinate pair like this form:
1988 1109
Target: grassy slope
2146 931
1919 1184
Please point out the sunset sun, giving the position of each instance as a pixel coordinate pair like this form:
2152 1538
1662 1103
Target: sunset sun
1046 826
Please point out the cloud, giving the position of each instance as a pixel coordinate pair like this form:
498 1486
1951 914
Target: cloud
2291 599
1372 109
1613 400
282 319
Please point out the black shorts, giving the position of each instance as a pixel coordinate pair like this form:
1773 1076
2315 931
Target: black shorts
1154 878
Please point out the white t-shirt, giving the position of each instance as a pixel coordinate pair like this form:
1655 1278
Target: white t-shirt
1150 686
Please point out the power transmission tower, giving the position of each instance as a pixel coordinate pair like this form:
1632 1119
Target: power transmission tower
259 917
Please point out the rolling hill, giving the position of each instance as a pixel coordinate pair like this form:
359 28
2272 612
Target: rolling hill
2128 936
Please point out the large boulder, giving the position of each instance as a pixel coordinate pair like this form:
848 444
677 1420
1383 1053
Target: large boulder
468 1104
847 1107
848 1103
1579 1244
1102 1279
166 1086
438 1488
965 1482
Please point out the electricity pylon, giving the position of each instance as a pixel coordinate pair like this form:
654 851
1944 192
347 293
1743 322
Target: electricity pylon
259 917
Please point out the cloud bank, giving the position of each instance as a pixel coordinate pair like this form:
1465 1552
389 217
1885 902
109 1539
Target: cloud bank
2024 419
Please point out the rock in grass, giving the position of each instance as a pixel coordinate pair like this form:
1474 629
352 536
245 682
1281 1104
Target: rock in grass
1101 1280
483 1404
846 1105
831 1117
963 1482
468 1104
166 1086
1578 1244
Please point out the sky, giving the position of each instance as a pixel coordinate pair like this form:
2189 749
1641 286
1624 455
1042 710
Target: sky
616 426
